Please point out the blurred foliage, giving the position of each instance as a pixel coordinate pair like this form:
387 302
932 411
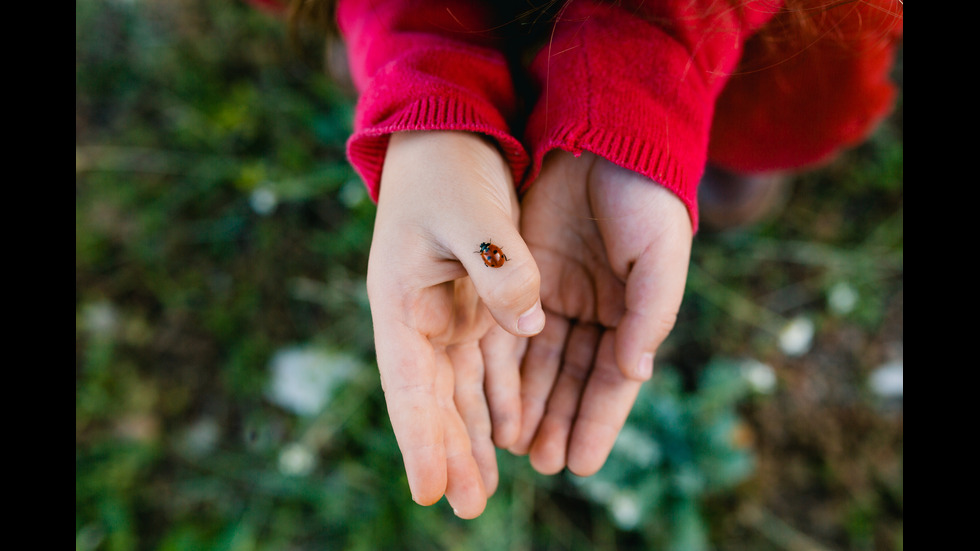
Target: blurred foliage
676 448
226 396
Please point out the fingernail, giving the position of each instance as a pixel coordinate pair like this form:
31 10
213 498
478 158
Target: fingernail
644 369
532 321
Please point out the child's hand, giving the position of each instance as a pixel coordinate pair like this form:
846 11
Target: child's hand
613 249
432 301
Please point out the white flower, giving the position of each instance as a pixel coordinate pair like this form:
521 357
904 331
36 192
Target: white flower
202 437
886 380
601 491
796 337
842 298
263 200
296 460
352 193
760 376
625 509
100 318
304 378
637 447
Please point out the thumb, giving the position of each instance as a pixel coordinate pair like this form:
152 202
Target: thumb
654 289
647 233
506 277
462 181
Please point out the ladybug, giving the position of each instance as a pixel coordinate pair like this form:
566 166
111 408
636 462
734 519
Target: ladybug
493 256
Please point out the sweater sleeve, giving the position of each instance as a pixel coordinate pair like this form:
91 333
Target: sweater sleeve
636 83
425 65
805 90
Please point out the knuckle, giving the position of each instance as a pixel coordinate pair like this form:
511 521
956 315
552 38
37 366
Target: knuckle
664 323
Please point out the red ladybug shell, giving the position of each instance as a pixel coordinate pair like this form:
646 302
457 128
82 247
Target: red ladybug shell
492 255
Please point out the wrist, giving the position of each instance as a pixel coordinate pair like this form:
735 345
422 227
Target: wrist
441 178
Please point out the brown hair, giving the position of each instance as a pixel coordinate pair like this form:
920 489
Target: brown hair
795 27
798 21
318 14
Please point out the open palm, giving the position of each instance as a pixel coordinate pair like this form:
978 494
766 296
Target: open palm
433 300
612 248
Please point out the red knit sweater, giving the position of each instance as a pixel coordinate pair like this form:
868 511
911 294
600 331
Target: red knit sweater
636 82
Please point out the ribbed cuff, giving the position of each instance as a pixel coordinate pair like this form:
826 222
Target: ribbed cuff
618 86
367 147
643 156
636 83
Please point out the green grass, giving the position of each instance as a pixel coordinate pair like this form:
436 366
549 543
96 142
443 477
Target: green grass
219 227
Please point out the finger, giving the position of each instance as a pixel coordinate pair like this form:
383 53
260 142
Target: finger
465 491
467 365
549 451
502 353
406 363
606 403
539 368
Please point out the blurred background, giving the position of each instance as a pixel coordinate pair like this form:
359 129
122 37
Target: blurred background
225 392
